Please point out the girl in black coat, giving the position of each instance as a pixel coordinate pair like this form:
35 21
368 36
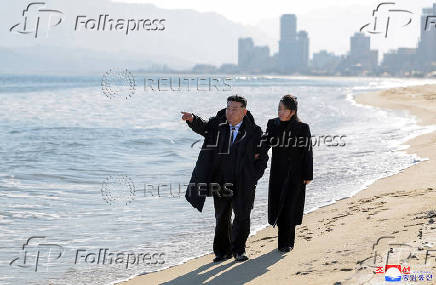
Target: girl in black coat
291 170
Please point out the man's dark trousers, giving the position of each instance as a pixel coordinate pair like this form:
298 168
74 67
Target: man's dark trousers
229 238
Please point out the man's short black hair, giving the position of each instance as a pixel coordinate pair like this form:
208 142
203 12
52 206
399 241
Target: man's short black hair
237 98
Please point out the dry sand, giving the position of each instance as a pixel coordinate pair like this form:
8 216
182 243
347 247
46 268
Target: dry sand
336 244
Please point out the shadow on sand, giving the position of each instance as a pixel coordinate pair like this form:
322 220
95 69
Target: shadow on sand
238 274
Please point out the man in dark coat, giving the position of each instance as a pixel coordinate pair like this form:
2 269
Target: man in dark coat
226 169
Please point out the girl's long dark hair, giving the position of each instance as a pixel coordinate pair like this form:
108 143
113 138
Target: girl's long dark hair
290 102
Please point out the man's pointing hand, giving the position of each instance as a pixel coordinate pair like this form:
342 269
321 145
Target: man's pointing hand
187 117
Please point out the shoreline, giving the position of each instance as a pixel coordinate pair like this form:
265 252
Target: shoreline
307 263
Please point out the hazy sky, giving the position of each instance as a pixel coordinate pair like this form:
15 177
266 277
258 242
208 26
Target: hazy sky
247 11
250 12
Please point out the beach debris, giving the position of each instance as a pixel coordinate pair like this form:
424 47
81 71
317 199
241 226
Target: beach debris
431 214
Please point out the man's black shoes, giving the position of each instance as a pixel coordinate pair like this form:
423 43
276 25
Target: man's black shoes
219 258
285 249
238 257
241 257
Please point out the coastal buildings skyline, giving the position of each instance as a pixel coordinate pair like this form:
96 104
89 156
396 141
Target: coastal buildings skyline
293 54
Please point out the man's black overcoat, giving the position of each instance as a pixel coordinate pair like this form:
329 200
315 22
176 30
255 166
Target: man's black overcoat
248 169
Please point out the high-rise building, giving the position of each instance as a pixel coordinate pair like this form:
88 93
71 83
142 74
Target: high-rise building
399 62
359 44
293 48
245 48
288 43
288 27
427 45
410 61
325 63
302 51
361 58
253 58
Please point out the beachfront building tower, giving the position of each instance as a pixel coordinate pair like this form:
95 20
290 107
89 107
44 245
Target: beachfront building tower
361 58
251 58
293 53
427 45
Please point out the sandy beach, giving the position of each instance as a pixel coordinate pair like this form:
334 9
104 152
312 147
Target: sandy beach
336 244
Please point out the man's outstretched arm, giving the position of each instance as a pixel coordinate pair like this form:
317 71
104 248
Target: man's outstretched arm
196 123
